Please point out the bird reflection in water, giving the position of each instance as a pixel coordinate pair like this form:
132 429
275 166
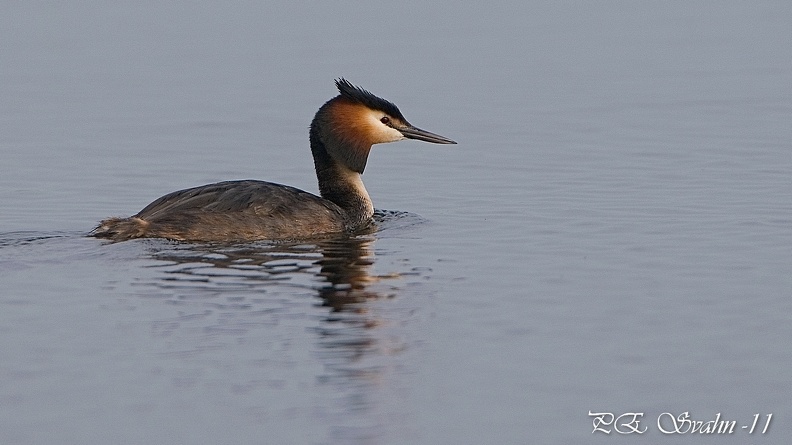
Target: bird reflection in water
242 287
264 315
337 269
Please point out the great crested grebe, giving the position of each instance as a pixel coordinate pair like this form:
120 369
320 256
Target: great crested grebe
341 136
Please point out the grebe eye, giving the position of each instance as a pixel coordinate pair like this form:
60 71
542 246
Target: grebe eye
385 120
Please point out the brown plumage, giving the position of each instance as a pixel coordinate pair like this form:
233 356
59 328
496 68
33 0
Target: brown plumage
341 137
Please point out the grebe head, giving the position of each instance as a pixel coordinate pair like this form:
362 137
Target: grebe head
350 123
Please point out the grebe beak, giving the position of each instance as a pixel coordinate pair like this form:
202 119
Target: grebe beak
411 132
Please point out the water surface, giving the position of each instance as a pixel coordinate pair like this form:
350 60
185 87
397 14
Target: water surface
612 233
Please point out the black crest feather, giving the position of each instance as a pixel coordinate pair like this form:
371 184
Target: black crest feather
368 99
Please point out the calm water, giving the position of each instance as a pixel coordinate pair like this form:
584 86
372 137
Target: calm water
612 234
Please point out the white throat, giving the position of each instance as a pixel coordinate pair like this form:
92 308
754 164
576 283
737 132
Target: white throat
354 179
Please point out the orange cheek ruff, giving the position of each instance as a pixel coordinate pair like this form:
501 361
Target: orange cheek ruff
360 126
351 124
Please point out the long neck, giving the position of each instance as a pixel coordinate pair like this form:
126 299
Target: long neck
339 184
